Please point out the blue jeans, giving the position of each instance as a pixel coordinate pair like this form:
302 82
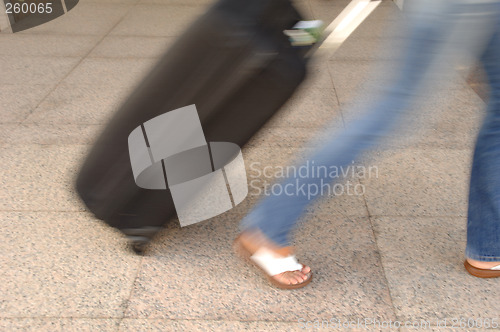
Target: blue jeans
277 214
483 220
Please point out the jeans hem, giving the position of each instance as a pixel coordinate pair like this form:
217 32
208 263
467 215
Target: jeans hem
481 258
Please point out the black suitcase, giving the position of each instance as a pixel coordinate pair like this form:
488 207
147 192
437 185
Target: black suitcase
238 68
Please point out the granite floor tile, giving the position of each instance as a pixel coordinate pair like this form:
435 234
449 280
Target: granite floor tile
59 324
434 328
143 325
63 265
341 3
132 47
367 48
46 45
162 20
318 75
312 108
129 2
40 177
381 23
176 2
374 26
449 119
92 92
353 78
301 5
52 134
291 137
414 182
446 116
327 11
267 167
357 79
423 262
18 70
207 281
81 104
110 72
85 19
18 101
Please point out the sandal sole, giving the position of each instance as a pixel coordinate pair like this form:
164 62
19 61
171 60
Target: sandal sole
481 273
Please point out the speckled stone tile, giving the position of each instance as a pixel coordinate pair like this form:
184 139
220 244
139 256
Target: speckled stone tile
143 325
18 101
434 328
354 79
374 26
358 47
46 45
308 108
301 5
162 20
267 167
423 262
82 104
35 70
327 11
318 75
381 23
131 47
205 280
110 72
414 182
63 265
451 119
364 79
110 1
92 92
85 19
40 177
59 324
436 121
291 137
20 134
176 2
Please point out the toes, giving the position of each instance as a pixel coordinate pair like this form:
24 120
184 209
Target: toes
291 277
284 278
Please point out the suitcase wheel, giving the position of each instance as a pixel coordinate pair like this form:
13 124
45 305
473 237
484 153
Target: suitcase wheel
140 237
138 243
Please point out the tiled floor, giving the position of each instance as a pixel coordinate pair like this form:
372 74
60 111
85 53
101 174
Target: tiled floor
392 253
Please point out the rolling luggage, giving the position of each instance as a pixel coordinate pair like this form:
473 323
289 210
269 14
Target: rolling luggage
238 68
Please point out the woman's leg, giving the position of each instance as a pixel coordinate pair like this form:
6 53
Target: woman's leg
276 215
483 225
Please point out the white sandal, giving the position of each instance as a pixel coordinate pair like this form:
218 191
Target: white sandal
273 264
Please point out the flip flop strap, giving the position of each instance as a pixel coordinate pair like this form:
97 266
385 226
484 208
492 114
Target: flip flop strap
495 267
273 263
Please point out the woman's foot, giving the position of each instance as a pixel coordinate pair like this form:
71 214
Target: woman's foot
271 258
482 269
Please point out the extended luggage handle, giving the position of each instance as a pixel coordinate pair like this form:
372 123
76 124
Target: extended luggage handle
342 27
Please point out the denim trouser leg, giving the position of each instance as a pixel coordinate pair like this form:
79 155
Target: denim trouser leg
277 214
483 224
